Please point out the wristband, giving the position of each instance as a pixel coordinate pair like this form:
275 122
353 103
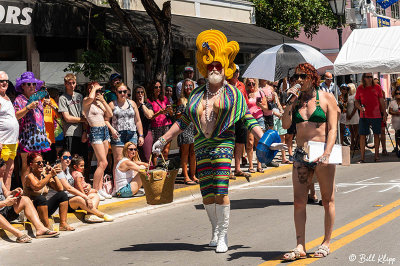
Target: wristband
162 140
141 136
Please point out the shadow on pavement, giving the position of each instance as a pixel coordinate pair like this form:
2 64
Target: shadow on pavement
174 247
251 204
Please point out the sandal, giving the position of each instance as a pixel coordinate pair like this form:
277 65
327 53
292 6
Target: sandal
260 170
24 239
287 162
295 254
48 234
241 173
189 183
67 228
251 170
322 251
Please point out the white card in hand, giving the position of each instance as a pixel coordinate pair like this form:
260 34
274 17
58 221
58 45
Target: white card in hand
316 149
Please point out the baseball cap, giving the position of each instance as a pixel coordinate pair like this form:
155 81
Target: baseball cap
237 67
188 69
114 76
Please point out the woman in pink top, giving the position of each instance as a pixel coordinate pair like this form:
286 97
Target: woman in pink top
95 108
161 121
254 104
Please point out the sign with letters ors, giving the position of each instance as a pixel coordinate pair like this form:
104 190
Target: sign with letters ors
16 17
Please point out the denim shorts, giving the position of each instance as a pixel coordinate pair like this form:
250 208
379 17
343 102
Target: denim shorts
365 123
261 122
125 192
124 137
98 135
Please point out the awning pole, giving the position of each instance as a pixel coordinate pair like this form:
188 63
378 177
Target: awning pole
336 97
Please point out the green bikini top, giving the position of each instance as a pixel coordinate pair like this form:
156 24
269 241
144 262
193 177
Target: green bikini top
318 116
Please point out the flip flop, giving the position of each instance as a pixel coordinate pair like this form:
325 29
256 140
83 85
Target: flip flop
48 234
190 183
67 228
241 173
260 170
251 170
24 239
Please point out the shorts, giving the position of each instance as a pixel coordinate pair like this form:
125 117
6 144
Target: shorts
9 213
269 121
292 129
98 135
158 132
124 137
365 123
240 132
125 192
261 122
9 151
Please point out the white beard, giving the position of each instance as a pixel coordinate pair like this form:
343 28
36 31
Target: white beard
215 77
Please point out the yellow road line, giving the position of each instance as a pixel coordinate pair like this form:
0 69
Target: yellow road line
314 243
353 236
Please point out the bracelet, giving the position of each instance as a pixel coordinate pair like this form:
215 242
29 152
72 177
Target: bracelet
141 136
162 140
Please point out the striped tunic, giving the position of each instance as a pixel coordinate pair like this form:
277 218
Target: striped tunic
233 108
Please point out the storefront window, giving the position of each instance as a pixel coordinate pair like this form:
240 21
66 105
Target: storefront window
395 10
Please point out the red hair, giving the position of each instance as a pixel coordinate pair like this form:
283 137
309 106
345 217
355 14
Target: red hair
310 70
32 156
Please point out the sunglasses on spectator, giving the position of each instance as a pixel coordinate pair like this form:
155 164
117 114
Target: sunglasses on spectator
188 86
369 77
302 76
29 84
40 163
157 87
140 92
3 80
251 84
211 67
132 149
65 157
328 79
397 93
123 92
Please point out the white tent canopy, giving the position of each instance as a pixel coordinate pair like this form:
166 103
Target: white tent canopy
370 50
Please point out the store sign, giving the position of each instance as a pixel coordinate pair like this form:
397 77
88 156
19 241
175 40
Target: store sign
383 22
17 15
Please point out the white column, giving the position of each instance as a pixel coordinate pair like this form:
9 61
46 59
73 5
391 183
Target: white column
127 66
32 56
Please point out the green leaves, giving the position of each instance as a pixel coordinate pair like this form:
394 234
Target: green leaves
91 63
288 17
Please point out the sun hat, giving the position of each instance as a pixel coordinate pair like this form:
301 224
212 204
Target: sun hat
26 78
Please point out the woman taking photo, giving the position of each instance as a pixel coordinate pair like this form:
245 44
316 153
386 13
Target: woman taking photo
316 115
161 120
95 109
31 120
77 199
352 117
127 180
126 125
186 138
146 114
36 187
255 103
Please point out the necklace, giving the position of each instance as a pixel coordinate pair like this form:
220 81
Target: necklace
212 94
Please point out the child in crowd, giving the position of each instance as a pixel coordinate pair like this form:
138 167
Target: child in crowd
78 167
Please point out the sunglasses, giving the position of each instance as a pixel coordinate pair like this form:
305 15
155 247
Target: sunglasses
140 92
369 77
302 76
123 92
132 149
3 80
328 79
397 93
65 157
157 87
251 84
40 163
188 86
29 84
218 66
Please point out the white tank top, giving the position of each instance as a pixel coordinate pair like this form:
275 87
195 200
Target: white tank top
123 178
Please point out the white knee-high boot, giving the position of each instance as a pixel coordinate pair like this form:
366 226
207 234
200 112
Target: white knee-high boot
212 215
222 225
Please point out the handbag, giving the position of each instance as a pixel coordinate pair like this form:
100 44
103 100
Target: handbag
108 184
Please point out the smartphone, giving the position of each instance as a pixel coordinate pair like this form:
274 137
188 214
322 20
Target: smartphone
18 194
58 161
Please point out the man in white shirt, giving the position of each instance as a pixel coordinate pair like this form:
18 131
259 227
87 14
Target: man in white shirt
328 84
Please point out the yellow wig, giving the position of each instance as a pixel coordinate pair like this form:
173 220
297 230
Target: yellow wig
212 45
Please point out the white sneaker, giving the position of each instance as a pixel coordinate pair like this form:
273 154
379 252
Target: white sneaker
104 194
100 196
90 218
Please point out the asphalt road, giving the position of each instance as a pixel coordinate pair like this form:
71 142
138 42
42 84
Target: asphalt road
366 232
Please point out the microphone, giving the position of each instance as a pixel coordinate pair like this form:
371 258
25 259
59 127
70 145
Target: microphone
297 86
